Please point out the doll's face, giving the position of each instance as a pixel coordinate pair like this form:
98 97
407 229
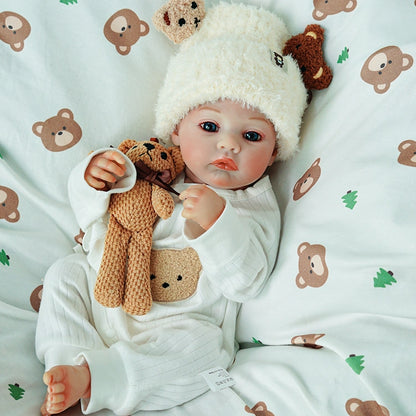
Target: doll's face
225 145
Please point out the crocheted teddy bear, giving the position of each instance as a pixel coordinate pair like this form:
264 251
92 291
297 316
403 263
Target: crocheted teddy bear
124 275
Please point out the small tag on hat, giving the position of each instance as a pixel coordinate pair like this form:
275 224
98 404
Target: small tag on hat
278 60
218 378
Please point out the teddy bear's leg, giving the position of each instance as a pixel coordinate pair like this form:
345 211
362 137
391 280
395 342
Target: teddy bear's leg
138 295
109 286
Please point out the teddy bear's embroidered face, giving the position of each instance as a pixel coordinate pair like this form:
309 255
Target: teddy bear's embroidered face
155 156
14 29
174 274
178 20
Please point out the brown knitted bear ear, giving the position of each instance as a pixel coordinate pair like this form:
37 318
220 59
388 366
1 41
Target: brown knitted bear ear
306 48
179 19
126 145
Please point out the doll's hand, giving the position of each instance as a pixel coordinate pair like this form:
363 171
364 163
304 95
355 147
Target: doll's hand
202 204
104 169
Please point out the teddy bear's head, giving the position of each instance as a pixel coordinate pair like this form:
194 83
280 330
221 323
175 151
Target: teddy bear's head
167 162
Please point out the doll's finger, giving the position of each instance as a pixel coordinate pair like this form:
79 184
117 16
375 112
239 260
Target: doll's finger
95 183
193 191
111 166
116 156
188 204
102 174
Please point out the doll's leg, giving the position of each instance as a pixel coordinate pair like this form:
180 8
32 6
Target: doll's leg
138 296
65 326
109 287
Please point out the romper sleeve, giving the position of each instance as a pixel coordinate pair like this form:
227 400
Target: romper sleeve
88 204
239 251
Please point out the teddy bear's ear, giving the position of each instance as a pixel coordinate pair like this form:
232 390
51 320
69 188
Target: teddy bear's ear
179 19
126 145
177 159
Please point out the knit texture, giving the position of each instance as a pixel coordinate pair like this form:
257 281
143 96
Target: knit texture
237 54
124 274
174 274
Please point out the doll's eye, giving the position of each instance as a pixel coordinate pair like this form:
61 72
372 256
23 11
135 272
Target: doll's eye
252 136
209 126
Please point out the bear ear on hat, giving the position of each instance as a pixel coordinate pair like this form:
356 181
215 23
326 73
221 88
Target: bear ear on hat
179 19
307 49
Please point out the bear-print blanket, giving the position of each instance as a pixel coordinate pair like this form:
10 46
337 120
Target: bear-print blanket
334 330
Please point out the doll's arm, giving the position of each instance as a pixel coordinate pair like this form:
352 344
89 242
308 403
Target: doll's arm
162 202
202 205
239 251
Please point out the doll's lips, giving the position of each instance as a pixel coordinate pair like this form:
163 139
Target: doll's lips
225 164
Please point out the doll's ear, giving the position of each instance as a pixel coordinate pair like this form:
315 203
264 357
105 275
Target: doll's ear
179 19
126 145
177 159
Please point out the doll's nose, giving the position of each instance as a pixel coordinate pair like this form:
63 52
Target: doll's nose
230 142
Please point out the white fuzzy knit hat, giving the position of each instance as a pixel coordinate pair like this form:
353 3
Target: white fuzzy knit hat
235 54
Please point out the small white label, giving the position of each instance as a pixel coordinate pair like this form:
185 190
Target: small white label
218 379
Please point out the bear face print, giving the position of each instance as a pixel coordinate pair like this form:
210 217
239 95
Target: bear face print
60 132
313 270
14 29
356 407
407 151
308 340
36 298
324 8
8 205
174 274
307 181
178 20
123 29
384 66
259 409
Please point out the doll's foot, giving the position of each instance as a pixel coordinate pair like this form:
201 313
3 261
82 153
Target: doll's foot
67 384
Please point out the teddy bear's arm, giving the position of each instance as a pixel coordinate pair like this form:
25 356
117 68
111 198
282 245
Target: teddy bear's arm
162 202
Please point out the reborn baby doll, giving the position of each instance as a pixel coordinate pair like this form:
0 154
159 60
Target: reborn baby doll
233 103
